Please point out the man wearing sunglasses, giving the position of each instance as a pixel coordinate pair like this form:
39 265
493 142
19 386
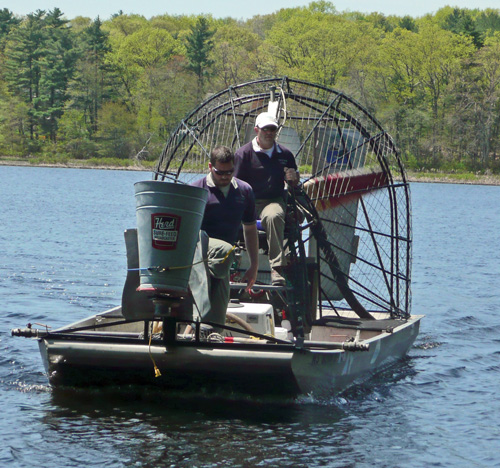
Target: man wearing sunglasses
266 165
231 203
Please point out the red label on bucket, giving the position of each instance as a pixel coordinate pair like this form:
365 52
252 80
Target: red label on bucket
165 230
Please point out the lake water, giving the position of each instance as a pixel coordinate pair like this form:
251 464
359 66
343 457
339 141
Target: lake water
62 258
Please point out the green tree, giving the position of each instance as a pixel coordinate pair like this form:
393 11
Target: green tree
261 24
235 58
121 26
440 56
95 79
474 123
199 46
116 131
142 58
316 46
178 26
380 21
488 22
57 64
416 71
39 63
7 22
79 24
407 22
460 21
74 137
22 66
14 121
418 65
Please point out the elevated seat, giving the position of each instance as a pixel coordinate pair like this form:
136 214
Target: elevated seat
262 237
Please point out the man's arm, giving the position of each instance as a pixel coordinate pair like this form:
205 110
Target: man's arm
252 245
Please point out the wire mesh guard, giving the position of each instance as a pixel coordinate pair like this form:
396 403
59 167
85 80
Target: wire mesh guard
351 172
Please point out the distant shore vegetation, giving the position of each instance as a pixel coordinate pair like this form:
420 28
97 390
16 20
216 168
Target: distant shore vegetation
110 92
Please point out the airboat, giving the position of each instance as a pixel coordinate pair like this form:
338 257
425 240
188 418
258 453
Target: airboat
344 312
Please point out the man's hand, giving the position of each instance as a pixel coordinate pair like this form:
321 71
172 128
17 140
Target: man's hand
250 277
292 176
252 244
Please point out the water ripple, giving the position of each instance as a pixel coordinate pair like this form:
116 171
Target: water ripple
437 408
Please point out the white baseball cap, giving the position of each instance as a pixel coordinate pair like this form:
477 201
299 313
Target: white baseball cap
265 119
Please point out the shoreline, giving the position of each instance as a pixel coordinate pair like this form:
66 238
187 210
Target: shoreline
5 162
438 178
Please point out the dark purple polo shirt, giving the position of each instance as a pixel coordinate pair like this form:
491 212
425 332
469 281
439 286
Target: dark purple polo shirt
224 215
265 174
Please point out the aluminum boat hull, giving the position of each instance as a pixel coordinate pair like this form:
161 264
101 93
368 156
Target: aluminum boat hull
119 358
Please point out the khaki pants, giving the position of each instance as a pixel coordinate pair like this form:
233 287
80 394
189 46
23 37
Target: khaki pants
219 270
272 214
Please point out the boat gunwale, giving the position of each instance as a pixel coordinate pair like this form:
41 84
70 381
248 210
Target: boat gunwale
107 337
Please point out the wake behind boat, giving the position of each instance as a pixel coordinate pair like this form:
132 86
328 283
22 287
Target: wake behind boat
344 311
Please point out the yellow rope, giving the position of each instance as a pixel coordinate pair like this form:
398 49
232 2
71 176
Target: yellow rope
157 371
229 253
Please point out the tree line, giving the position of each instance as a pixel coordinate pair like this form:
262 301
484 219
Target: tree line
86 88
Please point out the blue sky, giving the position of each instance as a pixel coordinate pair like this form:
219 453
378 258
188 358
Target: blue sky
235 9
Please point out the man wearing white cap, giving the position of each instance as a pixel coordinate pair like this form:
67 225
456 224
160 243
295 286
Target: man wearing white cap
266 165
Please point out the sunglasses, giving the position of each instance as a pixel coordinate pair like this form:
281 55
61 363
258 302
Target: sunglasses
270 128
222 173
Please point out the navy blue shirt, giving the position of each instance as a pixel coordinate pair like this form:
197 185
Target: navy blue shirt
224 214
265 174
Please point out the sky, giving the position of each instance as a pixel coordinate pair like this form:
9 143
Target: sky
236 9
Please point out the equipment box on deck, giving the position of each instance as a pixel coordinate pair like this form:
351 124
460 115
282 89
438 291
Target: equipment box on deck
258 316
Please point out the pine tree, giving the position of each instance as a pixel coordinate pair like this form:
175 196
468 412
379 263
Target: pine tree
460 21
198 48
57 66
22 67
7 22
95 79
40 60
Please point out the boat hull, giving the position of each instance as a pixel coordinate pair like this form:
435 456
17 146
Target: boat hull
187 367
331 371
286 370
